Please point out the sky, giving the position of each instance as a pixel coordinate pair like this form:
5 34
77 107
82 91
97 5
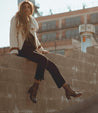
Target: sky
8 8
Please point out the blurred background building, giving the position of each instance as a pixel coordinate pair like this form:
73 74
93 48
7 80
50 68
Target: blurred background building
59 33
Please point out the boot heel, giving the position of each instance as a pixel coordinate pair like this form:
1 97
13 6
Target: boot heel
69 92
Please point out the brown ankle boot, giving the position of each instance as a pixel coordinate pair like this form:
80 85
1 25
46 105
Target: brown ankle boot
33 92
69 92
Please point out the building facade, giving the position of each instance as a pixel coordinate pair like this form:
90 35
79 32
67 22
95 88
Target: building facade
58 32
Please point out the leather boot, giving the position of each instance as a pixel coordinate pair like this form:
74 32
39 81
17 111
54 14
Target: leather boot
33 92
69 92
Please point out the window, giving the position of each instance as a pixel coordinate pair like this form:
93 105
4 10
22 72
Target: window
75 21
94 18
49 25
68 34
73 33
48 37
96 29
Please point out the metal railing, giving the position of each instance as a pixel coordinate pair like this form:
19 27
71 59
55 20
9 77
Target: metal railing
57 28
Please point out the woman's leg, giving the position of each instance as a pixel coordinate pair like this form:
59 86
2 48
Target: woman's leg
39 75
37 58
56 75
41 61
45 63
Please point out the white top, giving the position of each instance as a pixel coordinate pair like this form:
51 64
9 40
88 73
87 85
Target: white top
16 38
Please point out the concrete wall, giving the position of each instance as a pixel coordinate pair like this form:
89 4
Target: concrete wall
90 105
17 75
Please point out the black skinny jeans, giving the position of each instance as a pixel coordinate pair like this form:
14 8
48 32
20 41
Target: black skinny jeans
43 63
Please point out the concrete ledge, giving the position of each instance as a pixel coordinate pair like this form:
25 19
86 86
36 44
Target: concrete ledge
93 50
90 105
17 75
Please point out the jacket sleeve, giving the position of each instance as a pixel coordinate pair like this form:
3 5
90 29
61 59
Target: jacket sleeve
13 37
40 48
34 23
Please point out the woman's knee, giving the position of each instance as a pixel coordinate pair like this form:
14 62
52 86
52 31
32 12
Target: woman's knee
44 61
51 65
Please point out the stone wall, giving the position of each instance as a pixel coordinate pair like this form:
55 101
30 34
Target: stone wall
79 69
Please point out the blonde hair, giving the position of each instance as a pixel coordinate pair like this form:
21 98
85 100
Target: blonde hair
23 21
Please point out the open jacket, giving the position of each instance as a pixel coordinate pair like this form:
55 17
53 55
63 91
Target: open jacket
17 39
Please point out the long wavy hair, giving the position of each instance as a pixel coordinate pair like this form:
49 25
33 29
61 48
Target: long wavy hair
22 20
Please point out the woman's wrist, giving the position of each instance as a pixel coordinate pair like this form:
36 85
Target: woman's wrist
13 48
45 51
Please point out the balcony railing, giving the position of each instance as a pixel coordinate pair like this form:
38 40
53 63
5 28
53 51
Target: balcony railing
56 43
57 28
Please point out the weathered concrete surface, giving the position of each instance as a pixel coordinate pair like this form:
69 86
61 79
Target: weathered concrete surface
93 50
17 75
90 105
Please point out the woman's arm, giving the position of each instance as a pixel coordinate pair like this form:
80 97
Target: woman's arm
40 48
35 27
34 24
13 37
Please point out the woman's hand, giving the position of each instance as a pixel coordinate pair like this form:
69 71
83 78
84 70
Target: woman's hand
45 52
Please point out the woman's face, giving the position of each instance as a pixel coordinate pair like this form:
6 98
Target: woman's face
27 9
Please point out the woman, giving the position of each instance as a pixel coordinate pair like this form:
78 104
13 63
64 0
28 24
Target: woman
24 43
